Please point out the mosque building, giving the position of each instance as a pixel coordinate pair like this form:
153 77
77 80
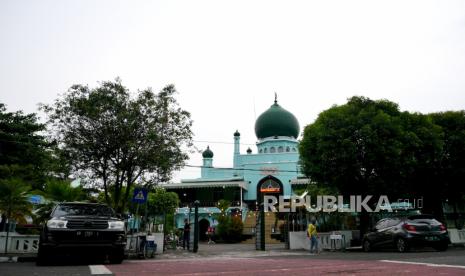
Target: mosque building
273 169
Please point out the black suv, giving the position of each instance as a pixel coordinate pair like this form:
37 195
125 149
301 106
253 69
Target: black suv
85 228
405 232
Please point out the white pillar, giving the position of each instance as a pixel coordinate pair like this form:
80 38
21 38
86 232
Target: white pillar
241 198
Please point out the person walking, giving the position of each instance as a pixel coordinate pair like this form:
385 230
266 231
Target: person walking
313 235
210 233
186 235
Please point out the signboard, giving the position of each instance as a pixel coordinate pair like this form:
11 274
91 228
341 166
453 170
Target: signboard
269 171
140 195
35 199
270 186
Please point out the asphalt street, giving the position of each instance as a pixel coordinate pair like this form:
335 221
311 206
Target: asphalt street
240 260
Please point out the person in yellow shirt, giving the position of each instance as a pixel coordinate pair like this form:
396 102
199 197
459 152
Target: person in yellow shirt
313 235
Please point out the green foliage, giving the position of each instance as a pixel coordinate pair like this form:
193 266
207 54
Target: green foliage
452 161
229 229
56 190
61 190
14 199
24 153
354 147
367 147
162 202
117 140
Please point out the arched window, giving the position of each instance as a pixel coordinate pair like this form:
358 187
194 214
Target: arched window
260 151
272 150
293 149
280 149
265 150
270 186
288 149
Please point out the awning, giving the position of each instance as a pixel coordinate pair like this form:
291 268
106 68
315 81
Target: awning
196 185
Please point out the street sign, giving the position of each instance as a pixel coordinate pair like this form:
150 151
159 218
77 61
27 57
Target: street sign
35 199
140 195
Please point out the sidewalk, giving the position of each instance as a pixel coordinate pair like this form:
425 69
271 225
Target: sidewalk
219 251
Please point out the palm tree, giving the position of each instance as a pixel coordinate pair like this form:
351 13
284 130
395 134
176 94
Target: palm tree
14 201
56 190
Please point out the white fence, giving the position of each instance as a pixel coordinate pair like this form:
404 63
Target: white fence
29 244
328 241
19 244
457 236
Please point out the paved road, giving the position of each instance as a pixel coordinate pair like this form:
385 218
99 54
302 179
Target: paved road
278 266
235 260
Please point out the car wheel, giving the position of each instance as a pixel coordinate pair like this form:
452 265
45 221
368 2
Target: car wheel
441 247
366 246
401 245
117 257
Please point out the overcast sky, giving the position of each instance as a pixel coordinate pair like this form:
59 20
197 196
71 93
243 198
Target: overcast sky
227 58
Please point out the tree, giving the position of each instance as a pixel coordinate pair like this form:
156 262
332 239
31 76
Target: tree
57 190
355 147
24 153
368 147
422 150
115 140
162 202
452 161
14 201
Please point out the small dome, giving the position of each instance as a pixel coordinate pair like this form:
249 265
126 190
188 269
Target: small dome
276 121
237 133
207 153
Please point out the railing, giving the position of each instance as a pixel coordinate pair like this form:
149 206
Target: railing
19 244
330 241
326 241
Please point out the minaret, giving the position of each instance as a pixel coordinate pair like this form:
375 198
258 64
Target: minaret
207 162
237 150
207 158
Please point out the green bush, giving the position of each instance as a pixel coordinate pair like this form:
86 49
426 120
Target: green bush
229 229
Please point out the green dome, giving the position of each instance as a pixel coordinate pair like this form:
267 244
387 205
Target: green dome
207 153
276 121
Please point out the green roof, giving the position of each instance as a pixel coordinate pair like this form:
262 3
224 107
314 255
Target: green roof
276 121
207 153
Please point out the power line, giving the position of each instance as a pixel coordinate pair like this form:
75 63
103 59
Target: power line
218 142
240 169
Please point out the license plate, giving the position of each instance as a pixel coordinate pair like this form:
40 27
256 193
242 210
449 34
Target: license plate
86 234
433 238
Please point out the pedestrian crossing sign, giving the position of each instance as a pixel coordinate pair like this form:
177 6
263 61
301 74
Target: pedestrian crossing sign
140 195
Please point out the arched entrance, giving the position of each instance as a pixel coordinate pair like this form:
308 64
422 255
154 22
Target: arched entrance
273 222
269 185
203 228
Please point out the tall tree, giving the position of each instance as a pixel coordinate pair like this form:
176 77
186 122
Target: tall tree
452 161
24 152
355 147
368 147
422 151
115 139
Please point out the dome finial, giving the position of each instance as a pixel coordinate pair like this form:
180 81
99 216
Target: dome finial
208 153
275 97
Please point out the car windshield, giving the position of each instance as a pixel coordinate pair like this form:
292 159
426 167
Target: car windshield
83 210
